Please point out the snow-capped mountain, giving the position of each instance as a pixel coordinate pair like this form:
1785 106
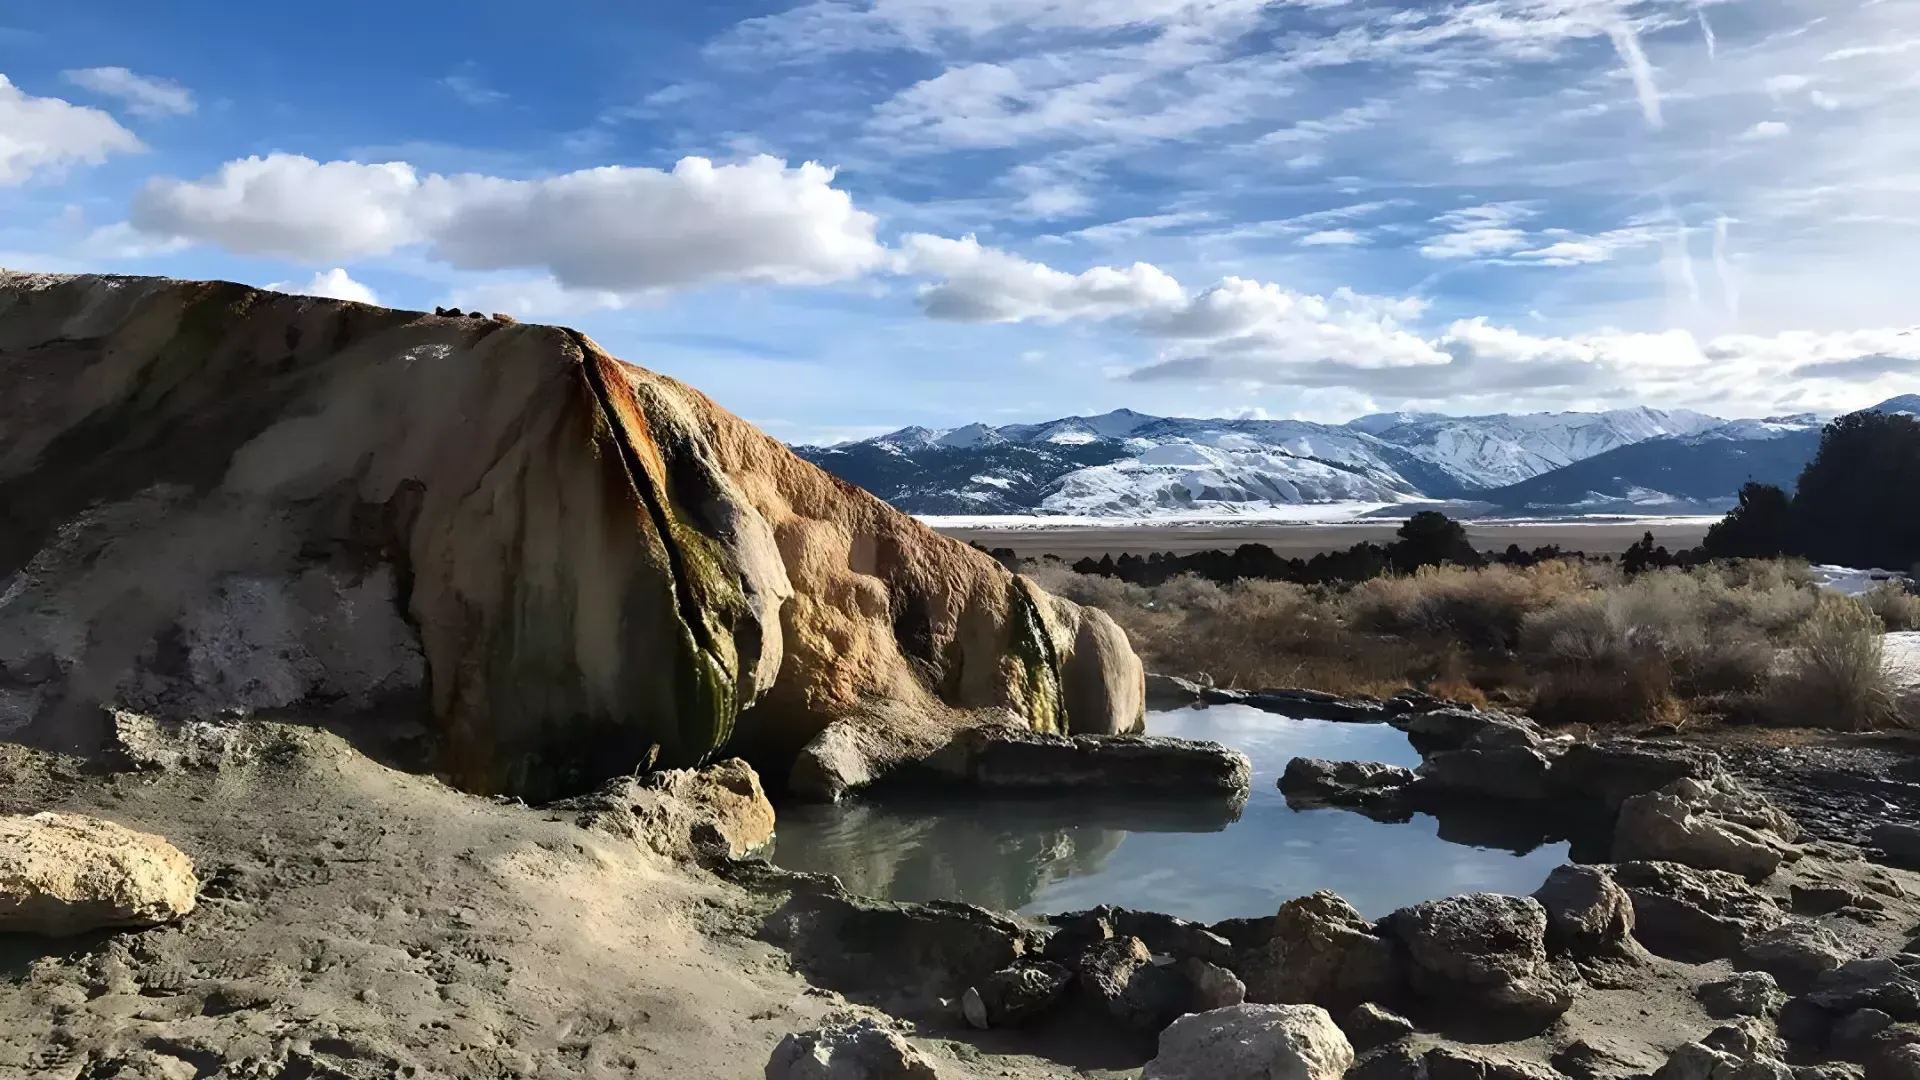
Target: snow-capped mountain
1129 464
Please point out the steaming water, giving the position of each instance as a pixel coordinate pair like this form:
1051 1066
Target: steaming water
1199 859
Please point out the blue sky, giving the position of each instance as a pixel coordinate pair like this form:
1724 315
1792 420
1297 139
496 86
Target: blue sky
839 217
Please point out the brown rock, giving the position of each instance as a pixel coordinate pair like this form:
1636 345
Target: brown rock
64 874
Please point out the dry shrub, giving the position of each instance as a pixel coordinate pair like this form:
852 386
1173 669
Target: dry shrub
1481 609
1091 590
1898 609
1836 676
1604 660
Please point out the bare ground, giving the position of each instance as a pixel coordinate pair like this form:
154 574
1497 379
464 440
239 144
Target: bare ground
1301 541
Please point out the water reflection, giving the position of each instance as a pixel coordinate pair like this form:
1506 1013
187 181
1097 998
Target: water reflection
1200 860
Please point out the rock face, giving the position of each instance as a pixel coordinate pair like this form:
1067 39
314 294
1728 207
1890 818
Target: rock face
1484 954
564 559
860 1051
64 874
1252 1042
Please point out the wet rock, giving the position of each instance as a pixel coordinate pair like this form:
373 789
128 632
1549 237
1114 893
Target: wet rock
1319 705
1611 771
65 874
1369 1025
1899 842
1459 1063
836 761
1318 951
1794 953
1013 996
1591 1059
1341 783
858 1051
1252 1042
1694 915
1484 955
1163 934
1679 824
1029 761
938 948
1075 932
1515 772
1749 993
1588 913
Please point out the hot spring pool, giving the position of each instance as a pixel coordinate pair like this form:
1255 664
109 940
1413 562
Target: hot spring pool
1200 860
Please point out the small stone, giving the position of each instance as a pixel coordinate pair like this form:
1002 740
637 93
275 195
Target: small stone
1252 1042
1749 993
1369 1025
973 1009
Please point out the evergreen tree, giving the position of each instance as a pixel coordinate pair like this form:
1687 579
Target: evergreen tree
1758 528
1858 503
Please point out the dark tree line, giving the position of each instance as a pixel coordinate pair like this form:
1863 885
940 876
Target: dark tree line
1856 504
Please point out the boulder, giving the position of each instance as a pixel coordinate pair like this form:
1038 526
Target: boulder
857 1051
65 874
1252 1042
1167 692
1827 899
1341 783
564 561
938 948
1874 983
1369 1025
683 812
1013 996
1679 824
1514 772
1694 915
1163 934
1748 993
1742 1051
1121 976
1318 705
1437 730
1209 986
1899 842
1588 913
1394 1061
1484 955
1611 771
1005 758
1794 953
1460 1063
1318 951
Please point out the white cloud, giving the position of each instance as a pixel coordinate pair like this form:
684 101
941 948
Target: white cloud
1133 228
1627 43
984 284
1766 129
1333 238
471 90
45 133
614 229
1783 85
333 284
144 95
1478 231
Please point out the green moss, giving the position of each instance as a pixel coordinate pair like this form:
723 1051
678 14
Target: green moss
1031 643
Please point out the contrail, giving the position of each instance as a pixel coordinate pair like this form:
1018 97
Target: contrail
1627 44
1679 263
1706 31
1723 269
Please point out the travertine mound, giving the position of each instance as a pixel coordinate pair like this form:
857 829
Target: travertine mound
215 499
64 874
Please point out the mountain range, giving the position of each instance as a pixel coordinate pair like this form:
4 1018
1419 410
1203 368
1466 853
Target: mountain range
1128 464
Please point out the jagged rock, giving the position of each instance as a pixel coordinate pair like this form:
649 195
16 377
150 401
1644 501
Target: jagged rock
1210 986
1486 955
1743 1051
1586 1059
1748 993
566 561
1612 771
1794 953
1318 951
1706 827
1369 1025
1745 1038
1588 913
1013 996
857 1051
1516 772
1030 761
937 948
1453 729
1341 783
1318 705
1394 1061
1854 1032
1899 842
1872 983
1121 975
65 874
1459 1063
1694 915
1832 1070
1163 934
1252 1042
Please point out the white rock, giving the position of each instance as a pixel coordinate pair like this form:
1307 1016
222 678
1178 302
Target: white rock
63 874
859 1051
1253 1042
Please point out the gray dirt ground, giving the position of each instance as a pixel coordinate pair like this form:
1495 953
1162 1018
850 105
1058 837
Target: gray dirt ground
1300 541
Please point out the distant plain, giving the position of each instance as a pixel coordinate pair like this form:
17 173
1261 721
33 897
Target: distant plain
1299 540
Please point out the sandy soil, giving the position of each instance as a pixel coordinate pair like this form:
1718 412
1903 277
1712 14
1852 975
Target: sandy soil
362 922
1295 540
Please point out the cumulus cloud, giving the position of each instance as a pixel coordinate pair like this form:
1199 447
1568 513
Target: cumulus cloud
987 285
144 95
616 229
333 284
43 133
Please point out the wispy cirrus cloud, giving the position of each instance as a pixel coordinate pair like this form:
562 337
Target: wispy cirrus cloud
143 95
